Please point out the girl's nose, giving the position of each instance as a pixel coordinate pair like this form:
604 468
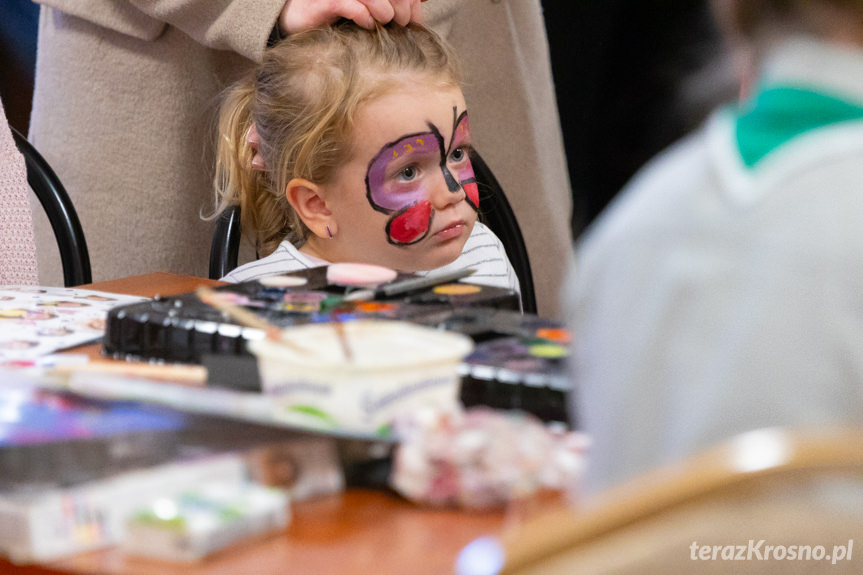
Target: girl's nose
446 190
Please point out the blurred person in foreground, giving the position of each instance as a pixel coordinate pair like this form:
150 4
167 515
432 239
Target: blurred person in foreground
722 291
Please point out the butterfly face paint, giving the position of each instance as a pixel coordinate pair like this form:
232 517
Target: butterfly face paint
401 176
463 170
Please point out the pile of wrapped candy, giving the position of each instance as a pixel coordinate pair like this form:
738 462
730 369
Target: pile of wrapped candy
481 458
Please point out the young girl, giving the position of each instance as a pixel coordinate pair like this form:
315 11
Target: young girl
365 138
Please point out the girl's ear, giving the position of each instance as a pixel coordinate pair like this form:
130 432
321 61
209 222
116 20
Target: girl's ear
307 200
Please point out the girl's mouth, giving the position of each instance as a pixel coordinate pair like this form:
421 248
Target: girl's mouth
453 230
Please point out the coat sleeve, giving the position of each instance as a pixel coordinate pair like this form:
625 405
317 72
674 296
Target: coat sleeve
241 26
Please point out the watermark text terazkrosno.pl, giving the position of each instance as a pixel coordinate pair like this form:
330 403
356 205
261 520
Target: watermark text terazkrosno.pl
760 550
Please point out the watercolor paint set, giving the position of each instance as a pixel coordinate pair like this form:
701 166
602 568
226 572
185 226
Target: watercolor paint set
185 329
518 360
526 372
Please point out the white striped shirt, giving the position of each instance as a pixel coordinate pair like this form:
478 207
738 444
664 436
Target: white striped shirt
483 252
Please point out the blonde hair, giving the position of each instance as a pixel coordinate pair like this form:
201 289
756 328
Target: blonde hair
302 99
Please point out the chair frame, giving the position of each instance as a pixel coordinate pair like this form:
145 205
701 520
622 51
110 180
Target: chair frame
726 469
225 248
496 212
74 254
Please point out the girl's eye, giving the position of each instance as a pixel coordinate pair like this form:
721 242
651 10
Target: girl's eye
458 155
407 174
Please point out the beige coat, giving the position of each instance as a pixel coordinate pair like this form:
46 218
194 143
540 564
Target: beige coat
126 92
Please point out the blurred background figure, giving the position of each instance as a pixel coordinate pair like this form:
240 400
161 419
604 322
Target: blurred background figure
720 292
629 79
18 25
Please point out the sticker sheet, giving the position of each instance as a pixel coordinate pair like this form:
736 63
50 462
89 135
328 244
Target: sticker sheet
35 321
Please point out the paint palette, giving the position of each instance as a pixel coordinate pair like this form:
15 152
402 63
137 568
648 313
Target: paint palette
184 329
526 372
518 361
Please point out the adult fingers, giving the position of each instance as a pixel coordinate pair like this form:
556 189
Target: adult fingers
355 10
417 11
382 11
299 15
402 11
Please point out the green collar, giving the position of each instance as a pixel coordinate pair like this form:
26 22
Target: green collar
778 114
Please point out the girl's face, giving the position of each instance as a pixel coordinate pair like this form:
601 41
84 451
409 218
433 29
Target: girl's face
407 197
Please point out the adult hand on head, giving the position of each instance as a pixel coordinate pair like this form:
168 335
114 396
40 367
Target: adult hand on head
299 15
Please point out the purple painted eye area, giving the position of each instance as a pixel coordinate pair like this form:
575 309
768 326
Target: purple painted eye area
462 170
391 182
459 161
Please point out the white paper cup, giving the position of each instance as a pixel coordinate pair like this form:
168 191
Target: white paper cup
395 368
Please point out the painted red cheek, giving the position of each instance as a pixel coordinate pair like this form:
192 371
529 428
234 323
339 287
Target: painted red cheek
412 224
472 192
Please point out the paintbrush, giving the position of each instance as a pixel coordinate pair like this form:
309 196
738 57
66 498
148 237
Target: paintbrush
410 284
250 319
343 340
175 373
241 314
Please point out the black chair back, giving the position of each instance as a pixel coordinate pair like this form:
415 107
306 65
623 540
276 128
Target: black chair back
495 211
61 213
225 248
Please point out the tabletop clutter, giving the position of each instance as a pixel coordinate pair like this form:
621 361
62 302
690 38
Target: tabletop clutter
456 384
482 459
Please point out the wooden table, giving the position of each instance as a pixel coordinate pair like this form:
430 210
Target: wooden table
361 531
